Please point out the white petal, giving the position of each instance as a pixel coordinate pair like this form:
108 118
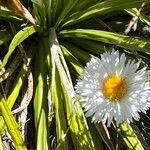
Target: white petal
94 102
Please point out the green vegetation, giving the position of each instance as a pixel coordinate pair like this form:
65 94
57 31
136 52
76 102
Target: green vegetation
44 46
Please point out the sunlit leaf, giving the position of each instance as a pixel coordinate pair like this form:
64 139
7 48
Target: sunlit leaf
11 124
102 8
40 99
18 38
129 136
128 42
6 14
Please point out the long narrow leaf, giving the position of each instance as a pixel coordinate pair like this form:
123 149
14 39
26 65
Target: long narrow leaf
129 136
19 8
42 10
40 100
83 5
11 99
73 61
94 47
14 93
7 14
57 7
12 125
18 38
60 62
77 52
1 145
76 122
102 8
67 8
79 130
128 42
61 127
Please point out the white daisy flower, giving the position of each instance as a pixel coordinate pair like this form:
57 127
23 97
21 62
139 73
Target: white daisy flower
114 89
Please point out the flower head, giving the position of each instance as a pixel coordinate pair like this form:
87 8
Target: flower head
113 88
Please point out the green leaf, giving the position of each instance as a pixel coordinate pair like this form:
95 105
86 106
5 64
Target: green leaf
17 85
101 8
77 52
61 125
78 127
6 14
128 42
75 66
18 38
97 139
4 36
14 93
104 133
12 125
57 7
42 10
79 130
40 98
60 62
129 136
1 144
94 47
82 5
66 9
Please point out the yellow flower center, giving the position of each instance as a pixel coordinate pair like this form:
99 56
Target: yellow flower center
114 88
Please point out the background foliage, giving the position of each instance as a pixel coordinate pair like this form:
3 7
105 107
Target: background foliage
44 46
